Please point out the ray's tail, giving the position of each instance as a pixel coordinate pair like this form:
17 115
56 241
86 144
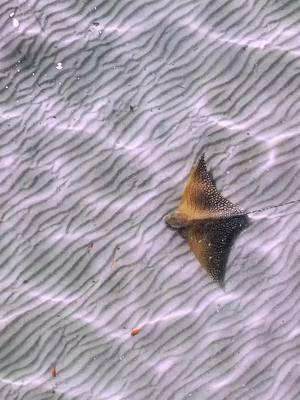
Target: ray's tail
270 207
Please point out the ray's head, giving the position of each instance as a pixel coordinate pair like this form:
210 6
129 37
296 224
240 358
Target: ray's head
176 220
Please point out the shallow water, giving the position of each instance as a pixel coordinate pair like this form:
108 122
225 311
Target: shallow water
105 105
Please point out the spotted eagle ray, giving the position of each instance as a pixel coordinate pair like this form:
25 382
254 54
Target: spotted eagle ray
208 221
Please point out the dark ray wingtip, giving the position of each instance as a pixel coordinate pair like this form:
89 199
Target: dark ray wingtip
221 283
200 163
218 278
199 167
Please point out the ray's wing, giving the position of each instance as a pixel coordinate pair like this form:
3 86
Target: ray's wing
211 243
201 198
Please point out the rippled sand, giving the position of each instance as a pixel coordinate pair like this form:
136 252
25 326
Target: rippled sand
105 105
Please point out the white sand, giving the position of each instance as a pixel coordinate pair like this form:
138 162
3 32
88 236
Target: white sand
94 153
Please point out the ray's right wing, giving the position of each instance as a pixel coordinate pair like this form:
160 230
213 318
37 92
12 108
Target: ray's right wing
211 243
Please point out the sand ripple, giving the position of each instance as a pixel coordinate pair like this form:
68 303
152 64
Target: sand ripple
105 105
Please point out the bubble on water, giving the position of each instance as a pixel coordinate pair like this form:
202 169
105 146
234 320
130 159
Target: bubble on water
15 22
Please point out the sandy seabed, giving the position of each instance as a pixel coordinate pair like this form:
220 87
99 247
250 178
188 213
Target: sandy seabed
105 106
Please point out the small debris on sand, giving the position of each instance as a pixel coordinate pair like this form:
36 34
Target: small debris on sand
135 331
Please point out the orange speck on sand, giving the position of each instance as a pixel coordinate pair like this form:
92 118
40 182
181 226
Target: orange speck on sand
135 331
53 372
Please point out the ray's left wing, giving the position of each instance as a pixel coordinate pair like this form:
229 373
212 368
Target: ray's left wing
201 199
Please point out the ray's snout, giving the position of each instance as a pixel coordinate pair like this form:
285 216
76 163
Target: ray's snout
176 220
170 220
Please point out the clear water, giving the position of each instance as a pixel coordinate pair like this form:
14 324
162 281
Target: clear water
105 105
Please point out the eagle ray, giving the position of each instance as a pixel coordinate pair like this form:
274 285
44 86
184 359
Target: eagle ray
208 221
